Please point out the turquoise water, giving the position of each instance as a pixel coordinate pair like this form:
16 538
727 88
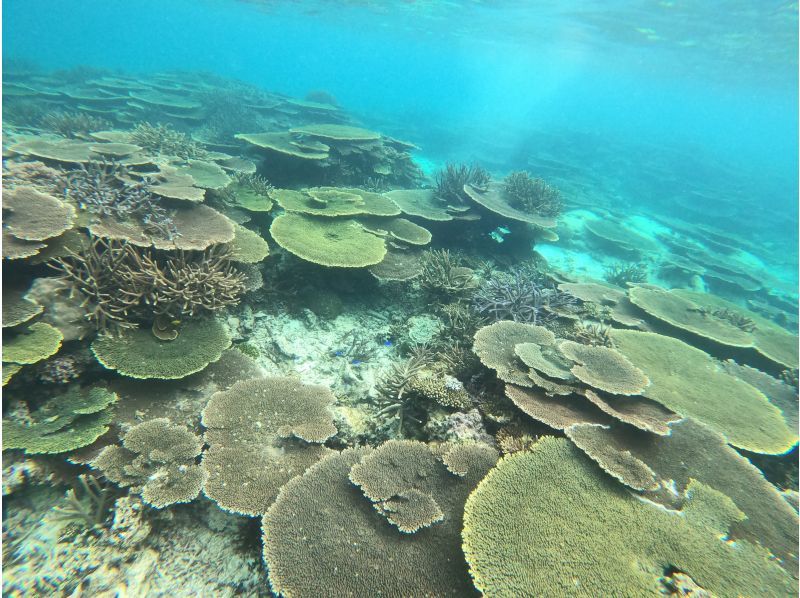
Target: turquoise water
362 296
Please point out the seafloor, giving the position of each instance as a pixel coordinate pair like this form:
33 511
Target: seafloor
251 346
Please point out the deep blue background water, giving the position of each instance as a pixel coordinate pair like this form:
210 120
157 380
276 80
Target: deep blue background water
717 82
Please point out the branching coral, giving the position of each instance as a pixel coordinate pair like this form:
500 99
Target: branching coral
394 396
107 189
87 504
73 124
122 283
519 297
622 274
163 139
255 183
442 275
450 181
532 195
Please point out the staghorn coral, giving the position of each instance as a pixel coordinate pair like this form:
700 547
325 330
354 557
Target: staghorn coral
553 500
591 333
73 124
108 189
121 283
86 505
532 195
157 460
519 297
622 274
395 401
443 275
164 140
450 181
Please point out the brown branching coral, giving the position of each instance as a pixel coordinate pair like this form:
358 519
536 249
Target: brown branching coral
73 124
450 181
122 283
109 189
532 195
163 139
442 275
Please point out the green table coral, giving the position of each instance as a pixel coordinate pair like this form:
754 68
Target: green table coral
139 354
549 522
37 342
64 423
689 382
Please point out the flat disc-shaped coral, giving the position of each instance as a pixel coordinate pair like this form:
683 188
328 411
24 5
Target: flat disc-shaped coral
16 249
683 313
398 228
556 412
494 200
621 236
689 382
421 203
604 368
263 432
156 459
9 369
494 345
549 522
336 132
637 411
546 361
329 242
139 354
282 143
769 339
248 246
694 451
35 216
335 201
398 265
34 343
17 309
58 150
323 537
249 199
63 423
594 292
207 174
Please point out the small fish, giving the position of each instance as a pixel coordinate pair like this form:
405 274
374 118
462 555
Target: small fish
496 236
503 230
388 343
175 322
339 353
356 362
